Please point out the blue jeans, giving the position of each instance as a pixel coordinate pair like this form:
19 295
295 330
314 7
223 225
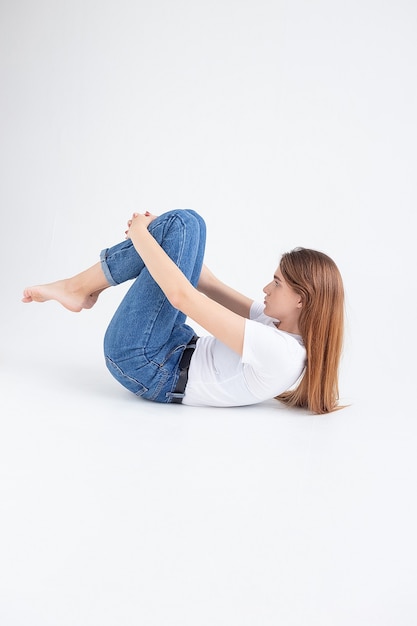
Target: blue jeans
147 336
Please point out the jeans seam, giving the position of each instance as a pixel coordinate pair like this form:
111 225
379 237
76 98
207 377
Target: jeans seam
116 366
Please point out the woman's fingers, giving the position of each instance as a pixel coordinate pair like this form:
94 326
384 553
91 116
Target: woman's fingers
149 216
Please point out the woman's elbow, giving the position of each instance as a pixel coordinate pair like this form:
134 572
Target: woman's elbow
179 298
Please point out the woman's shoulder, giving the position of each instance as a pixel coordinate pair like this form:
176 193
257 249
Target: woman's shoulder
257 314
265 346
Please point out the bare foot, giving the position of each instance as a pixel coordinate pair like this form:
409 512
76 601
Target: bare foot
62 292
92 298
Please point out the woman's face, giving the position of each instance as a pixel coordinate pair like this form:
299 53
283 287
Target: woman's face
282 302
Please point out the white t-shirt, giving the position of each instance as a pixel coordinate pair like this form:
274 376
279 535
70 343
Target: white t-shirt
272 361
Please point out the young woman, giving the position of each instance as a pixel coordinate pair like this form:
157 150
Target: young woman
287 347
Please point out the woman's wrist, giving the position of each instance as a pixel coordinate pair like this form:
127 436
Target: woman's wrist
139 224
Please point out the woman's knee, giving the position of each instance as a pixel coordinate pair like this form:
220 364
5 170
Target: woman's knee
195 216
179 220
193 220
185 215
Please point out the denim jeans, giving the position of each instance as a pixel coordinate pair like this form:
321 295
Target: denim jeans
147 336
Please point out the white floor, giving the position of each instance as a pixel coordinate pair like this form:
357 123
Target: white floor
119 511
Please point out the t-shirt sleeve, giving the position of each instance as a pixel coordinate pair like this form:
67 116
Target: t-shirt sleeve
271 358
257 314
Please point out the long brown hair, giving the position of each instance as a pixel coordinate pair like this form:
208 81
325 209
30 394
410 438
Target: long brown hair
316 278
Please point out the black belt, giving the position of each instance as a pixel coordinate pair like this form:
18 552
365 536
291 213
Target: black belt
178 393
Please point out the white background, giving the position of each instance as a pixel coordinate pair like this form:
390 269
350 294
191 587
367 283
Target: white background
283 123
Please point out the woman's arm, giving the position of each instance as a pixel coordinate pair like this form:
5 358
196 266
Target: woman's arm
220 321
212 287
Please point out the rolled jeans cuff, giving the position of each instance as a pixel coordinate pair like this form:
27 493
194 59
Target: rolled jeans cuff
105 268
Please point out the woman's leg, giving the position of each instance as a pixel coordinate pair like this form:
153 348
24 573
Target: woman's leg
82 290
147 336
125 262
76 293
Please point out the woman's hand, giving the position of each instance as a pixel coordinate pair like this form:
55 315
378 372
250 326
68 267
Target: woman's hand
139 220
